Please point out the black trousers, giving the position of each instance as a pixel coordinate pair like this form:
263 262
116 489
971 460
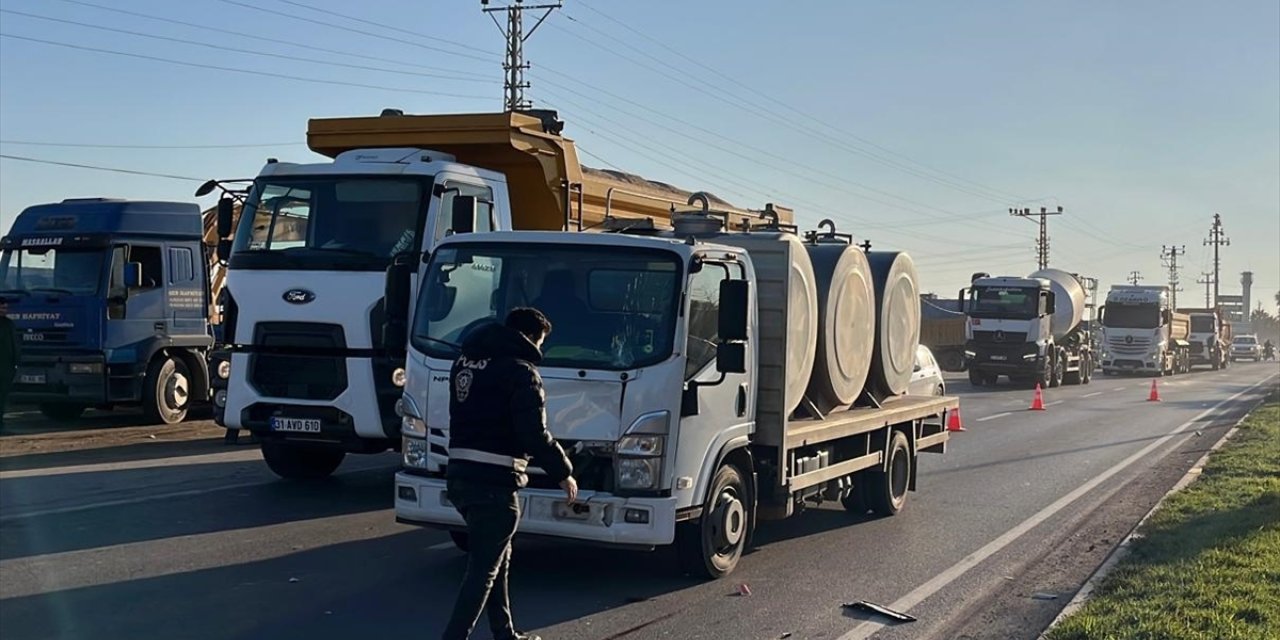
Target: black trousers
491 514
6 385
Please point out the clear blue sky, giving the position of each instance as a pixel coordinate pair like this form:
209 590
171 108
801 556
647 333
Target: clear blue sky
915 124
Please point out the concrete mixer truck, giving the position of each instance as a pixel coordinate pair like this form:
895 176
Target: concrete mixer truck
701 379
1142 333
1030 329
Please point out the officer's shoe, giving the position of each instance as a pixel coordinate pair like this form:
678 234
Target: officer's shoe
520 636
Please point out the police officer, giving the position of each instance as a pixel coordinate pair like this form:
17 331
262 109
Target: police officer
497 422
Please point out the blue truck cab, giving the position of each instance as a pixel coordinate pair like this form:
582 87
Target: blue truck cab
111 302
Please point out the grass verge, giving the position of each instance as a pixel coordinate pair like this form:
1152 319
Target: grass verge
1207 563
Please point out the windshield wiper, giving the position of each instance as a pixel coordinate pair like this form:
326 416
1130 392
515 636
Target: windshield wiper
55 290
446 343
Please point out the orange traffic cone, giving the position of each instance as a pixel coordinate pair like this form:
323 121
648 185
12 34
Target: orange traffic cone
1037 403
1155 393
953 423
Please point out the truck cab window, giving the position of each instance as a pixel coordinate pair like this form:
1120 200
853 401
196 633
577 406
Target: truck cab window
181 266
152 265
704 316
484 210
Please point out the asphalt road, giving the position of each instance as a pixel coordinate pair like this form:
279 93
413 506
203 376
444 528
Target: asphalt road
109 532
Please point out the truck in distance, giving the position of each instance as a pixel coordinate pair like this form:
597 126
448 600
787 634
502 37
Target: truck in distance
1210 337
1142 333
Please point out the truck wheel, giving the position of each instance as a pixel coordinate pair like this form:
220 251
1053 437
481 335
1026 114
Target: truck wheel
62 412
711 546
951 361
461 540
301 462
886 491
976 378
167 393
1059 372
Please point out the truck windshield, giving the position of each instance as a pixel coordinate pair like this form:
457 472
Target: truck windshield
1016 303
61 270
1132 316
610 308
1202 324
345 219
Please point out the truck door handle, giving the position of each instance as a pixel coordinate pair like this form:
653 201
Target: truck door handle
159 326
742 400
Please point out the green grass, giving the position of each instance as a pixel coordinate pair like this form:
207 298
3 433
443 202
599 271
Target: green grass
1208 562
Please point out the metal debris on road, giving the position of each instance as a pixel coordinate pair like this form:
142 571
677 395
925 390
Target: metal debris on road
744 590
880 609
1040 595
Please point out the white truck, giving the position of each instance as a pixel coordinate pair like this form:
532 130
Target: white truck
692 386
1210 337
1142 333
308 368
1031 329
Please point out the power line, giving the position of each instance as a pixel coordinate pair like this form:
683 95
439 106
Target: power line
1217 239
367 33
1169 255
460 45
1135 277
1042 244
150 146
197 43
241 34
99 168
267 74
790 107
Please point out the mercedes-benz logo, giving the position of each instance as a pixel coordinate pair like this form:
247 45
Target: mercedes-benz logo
999 336
1128 339
298 296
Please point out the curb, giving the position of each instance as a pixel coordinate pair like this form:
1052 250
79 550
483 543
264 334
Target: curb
1123 548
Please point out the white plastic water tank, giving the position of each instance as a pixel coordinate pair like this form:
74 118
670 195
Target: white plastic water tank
846 323
1069 297
897 292
787 295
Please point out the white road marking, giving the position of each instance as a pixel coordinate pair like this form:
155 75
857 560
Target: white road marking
993 417
173 461
922 592
1090 395
1050 404
1120 388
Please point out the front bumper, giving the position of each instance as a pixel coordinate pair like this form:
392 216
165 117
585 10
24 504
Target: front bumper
1246 354
1006 359
48 379
602 519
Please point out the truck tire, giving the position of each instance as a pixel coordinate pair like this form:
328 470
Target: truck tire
301 462
1059 372
711 546
166 392
886 491
951 361
62 412
1086 370
976 378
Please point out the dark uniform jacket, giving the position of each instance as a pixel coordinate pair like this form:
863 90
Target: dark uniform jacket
497 412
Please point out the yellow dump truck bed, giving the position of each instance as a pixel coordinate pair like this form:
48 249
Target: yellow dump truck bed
549 188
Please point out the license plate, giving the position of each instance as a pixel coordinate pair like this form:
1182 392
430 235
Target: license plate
999 357
302 425
31 378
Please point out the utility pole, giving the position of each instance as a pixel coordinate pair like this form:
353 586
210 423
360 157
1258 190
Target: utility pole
514 83
1206 279
1042 245
1135 277
1217 239
1169 254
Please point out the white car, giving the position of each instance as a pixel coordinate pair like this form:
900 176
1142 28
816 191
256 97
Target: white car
1246 348
926 379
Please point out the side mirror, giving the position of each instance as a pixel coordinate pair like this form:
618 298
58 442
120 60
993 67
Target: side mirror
1102 314
395 328
1050 302
224 250
463 217
226 210
735 296
133 275
731 357
961 299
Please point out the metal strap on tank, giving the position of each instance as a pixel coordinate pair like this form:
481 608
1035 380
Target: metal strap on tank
484 457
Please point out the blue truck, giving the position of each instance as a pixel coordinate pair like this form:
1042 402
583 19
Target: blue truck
112 303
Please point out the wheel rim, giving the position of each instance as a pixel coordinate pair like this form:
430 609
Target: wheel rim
177 392
900 475
728 522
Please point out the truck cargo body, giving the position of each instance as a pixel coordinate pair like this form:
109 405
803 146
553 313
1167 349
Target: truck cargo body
317 245
110 299
657 390
942 329
1143 333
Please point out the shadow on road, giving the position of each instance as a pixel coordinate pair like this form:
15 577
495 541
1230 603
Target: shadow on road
143 450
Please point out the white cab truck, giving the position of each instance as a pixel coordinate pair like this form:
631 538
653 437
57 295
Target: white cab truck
1031 329
1210 338
308 369
1142 333
684 386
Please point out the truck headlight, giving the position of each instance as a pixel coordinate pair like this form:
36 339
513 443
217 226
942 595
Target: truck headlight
640 445
1029 356
970 353
224 369
639 473
415 452
85 367
398 377
413 426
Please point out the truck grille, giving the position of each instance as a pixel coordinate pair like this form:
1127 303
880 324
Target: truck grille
1196 348
300 360
1131 345
1000 337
